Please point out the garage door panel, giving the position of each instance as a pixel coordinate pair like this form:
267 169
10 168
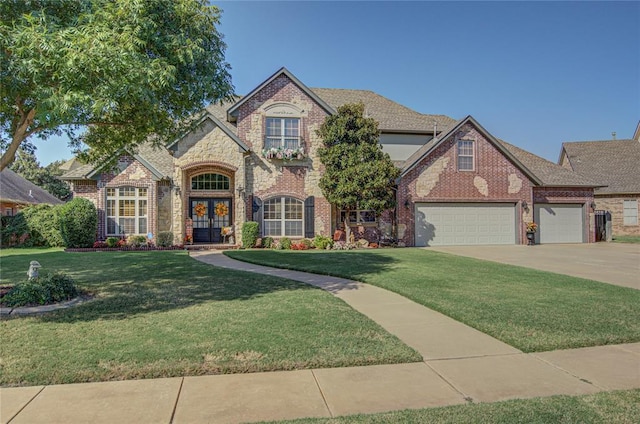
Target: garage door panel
559 223
441 224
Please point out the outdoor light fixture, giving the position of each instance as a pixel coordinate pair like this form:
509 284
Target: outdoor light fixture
406 204
593 205
525 205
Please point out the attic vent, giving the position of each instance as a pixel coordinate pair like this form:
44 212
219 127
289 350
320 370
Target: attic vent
30 195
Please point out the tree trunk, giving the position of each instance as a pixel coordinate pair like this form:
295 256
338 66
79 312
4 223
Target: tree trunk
18 137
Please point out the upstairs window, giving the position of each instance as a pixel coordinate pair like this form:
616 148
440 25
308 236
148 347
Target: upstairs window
630 216
465 155
126 211
282 133
210 182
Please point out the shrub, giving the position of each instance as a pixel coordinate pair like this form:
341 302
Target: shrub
43 222
121 243
321 242
136 241
13 227
308 244
78 223
249 234
285 242
99 245
112 241
267 242
165 239
48 288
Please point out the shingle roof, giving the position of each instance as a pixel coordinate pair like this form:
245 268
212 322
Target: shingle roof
392 116
614 163
549 173
157 159
539 170
14 188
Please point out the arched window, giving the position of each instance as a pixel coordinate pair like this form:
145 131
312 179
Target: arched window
210 182
283 217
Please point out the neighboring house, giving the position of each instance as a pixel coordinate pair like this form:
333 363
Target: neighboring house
613 164
17 193
256 159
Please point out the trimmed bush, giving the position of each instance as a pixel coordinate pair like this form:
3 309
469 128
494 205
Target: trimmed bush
165 239
321 242
48 288
112 241
285 243
250 233
78 223
267 242
14 230
137 241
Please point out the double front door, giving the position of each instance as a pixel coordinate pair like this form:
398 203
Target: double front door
209 216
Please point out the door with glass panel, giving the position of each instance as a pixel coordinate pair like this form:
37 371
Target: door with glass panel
209 216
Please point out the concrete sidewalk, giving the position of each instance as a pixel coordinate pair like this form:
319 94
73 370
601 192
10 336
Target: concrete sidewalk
461 364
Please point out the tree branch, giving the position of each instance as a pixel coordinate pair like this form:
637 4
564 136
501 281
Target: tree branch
20 134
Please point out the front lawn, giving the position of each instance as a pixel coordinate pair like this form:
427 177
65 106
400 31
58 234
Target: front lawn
531 310
163 314
620 407
626 239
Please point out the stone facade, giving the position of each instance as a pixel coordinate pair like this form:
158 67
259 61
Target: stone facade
614 203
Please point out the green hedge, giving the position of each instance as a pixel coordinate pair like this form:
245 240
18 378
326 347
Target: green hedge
48 288
37 225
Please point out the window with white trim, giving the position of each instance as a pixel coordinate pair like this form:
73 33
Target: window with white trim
630 211
283 217
363 216
126 211
282 133
465 155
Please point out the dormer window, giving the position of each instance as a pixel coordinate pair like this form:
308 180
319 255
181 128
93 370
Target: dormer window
465 155
282 133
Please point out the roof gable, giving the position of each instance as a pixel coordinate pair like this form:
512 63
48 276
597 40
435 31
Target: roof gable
610 163
211 117
232 113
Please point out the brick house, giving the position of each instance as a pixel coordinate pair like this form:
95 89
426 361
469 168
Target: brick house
16 193
613 164
256 159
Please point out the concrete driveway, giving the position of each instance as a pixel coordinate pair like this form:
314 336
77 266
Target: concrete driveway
614 263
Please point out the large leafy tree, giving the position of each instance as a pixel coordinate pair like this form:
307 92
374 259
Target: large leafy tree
46 177
124 70
358 174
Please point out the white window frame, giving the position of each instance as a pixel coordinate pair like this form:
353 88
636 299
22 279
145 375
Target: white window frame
281 204
358 214
279 141
630 211
460 154
117 195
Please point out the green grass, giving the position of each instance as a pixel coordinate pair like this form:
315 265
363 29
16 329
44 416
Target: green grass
621 407
161 314
626 239
528 309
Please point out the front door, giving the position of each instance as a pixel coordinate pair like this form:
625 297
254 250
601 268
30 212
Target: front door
209 215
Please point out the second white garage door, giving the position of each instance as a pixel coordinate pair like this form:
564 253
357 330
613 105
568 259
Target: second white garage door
447 224
559 223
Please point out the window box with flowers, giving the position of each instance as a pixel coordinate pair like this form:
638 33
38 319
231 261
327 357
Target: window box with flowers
280 153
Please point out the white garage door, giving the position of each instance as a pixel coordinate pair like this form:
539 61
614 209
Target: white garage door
559 223
446 224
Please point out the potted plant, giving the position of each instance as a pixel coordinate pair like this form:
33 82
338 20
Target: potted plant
532 227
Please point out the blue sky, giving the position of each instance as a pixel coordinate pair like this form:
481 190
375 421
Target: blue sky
532 73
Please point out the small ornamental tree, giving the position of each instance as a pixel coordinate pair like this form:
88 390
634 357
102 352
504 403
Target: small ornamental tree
358 174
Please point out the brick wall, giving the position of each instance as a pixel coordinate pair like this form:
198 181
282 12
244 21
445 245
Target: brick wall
615 204
268 178
437 179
